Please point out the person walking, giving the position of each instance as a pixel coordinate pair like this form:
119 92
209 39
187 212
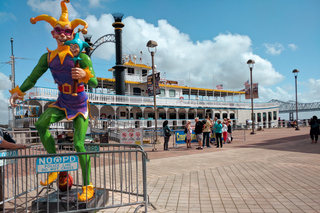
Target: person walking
166 135
198 130
206 132
229 137
218 132
314 130
189 134
224 132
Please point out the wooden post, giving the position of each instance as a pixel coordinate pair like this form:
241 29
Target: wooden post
75 82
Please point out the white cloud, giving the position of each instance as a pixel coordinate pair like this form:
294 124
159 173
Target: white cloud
94 3
280 93
222 59
293 47
312 94
273 49
5 85
4 16
286 92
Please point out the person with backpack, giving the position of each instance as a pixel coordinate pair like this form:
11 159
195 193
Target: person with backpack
218 131
314 130
166 135
198 130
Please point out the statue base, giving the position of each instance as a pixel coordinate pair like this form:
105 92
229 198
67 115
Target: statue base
40 205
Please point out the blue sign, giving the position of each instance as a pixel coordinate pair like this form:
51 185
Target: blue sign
181 137
12 153
57 164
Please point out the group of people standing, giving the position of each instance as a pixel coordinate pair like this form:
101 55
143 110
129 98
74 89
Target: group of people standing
222 131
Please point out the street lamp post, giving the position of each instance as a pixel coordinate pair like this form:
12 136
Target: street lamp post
152 48
250 63
13 81
295 72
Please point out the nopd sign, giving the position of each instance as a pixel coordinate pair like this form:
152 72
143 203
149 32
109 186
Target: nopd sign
57 164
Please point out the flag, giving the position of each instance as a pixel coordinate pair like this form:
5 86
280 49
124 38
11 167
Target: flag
220 86
247 82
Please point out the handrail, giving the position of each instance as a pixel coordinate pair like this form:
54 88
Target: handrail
41 93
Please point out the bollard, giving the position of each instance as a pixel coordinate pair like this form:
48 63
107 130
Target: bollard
244 135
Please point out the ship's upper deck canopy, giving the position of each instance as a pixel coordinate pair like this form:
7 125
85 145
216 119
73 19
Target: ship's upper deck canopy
136 74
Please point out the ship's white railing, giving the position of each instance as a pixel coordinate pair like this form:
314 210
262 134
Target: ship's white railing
52 94
111 124
136 78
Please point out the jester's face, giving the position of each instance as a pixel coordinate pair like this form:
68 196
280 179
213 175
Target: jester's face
62 34
75 49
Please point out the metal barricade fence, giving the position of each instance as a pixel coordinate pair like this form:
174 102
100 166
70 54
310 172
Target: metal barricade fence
118 174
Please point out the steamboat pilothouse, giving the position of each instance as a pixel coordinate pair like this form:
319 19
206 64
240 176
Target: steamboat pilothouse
176 102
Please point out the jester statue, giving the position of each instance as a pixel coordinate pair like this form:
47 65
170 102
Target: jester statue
72 107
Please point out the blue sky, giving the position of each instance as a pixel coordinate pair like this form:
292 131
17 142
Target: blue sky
208 40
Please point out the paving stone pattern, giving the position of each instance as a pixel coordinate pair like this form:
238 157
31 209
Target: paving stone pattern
275 170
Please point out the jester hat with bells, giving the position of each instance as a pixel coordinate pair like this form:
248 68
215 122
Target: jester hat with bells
63 21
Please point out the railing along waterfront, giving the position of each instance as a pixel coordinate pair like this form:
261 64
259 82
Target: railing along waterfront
51 94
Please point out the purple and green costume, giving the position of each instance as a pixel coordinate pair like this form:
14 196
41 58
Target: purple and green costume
74 108
73 105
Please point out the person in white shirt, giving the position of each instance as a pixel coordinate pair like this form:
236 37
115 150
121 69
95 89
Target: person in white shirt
224 131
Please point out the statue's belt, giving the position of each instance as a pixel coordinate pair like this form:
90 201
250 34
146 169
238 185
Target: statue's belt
67 88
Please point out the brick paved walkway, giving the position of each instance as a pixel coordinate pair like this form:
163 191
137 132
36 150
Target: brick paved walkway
276 170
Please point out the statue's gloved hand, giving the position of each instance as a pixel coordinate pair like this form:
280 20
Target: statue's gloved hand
13 99
78 73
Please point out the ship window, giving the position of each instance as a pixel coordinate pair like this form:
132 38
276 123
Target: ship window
217 115
225 115
269 116
190 115
259 117
172 93
264 116
144 72
151 115
231 115
162 115
136 91
162 93
130 71
138 115
182 116
172 116
274 115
